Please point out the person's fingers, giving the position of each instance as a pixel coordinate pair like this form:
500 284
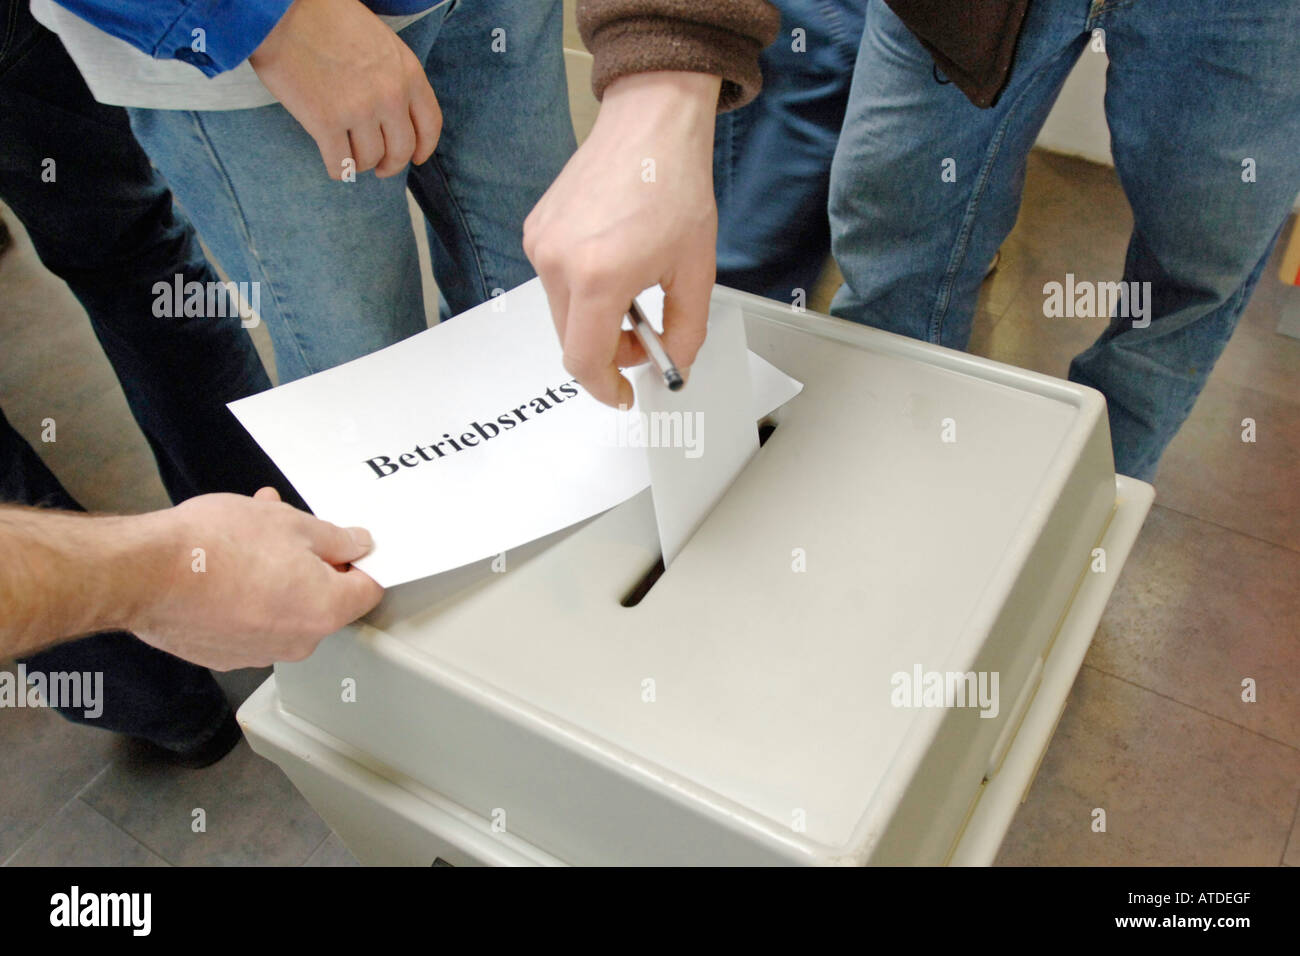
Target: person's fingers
557 297
630 351
686 309
426 118
367 145
336 545
548 266
591 342
266 494
535 229
334 150
352 594
399 143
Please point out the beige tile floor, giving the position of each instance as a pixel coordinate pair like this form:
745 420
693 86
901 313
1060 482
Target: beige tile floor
1155 732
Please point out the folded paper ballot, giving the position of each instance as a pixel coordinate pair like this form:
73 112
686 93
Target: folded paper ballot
470 439
686 483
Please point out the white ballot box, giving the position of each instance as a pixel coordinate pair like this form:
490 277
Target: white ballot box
859 657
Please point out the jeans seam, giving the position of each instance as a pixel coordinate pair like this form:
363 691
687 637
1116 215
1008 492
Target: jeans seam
845 47
958 256
733 157
834 27
484 283
284 314
1098 11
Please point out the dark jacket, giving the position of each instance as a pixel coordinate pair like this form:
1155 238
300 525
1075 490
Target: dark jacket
972 41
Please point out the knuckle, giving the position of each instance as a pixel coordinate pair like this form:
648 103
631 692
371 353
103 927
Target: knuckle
591 273
353 110
549 259
545 255
389 91
581 367
394 101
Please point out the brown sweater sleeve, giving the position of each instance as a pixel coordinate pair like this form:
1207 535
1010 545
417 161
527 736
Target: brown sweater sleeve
723 37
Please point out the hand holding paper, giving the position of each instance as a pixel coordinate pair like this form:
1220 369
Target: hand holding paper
617 220
471 438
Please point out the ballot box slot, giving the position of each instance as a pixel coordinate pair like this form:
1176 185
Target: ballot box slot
644 583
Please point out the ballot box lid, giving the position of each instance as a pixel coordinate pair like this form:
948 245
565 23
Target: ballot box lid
915 512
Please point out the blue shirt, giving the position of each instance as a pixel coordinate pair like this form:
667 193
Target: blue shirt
213 35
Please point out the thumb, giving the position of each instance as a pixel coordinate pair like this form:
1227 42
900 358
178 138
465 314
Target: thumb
354 593
686 311
337 545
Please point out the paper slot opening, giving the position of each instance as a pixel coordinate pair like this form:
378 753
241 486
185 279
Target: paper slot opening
643 585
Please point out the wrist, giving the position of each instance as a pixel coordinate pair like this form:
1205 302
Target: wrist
268 49
670 98
146 551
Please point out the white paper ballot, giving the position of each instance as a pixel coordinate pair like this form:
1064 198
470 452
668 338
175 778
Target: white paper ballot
463 441
701 436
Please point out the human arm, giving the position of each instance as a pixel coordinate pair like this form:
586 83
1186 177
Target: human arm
338 69
229 30
634 206
221 580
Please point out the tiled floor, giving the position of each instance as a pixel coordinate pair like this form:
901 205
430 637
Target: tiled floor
1155 732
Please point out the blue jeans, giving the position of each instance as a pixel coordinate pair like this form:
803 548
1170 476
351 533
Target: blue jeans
337 261
107 227
772 158
1193 90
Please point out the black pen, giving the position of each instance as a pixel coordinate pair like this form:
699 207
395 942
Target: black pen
654 347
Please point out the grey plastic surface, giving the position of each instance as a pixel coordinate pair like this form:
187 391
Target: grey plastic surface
771 735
